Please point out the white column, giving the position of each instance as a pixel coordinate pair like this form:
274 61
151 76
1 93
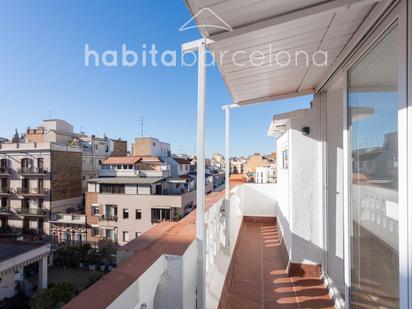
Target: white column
227 154
43 273
200 46
227 176
200 178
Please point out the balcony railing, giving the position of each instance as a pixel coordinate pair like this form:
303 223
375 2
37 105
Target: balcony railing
37 212
5 170
108 218
5 191
5 211
32 171
32 191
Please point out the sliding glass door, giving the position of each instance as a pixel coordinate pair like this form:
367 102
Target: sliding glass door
373 105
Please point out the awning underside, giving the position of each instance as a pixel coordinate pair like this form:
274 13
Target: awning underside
274 31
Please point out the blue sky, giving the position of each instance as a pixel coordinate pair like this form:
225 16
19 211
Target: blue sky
42 69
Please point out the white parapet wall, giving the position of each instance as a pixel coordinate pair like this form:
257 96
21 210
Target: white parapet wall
259 200
170 282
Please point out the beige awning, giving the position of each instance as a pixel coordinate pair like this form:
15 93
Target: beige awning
268 28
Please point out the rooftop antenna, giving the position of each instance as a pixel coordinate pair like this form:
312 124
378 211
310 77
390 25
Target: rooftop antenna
50 114
141 122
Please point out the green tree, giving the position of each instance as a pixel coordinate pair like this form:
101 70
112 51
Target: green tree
54 297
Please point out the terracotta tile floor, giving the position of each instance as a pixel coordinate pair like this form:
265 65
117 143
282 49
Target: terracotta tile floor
259 278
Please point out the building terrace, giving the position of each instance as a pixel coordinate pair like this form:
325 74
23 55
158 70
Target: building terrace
335 229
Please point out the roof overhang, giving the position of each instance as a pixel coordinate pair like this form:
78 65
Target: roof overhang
280 122
272 30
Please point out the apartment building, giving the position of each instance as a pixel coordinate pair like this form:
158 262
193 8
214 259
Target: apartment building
218 160
183 166
149 146
265 174
121 208
94 149
138 166
249 168
136 192
69 228
38 179
41 172
237 165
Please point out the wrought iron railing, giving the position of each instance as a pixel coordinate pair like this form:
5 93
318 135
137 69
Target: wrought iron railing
32 171
5 170
31 211
5 210
4 190
108 218
34 191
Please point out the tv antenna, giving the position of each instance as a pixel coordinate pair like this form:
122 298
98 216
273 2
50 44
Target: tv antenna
141 123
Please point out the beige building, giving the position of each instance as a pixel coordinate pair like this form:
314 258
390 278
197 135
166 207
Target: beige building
136 192
38 179
121 208
46 174
249 168
94 149
149 146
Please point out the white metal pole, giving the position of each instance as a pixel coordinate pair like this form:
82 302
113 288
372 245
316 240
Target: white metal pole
200 180
227 177
227 154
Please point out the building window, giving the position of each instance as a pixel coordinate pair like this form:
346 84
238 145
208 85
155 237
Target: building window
95 232
41 202
138 214
113 189
285 159
125 236
137 234
4 163
109 234
125 213
374 82
159 215
95 210
40 164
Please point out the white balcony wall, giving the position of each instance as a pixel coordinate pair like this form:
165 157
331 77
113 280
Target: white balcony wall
141 293
259 200
283 185
177 286
299 187
170 282
305 172
118 173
